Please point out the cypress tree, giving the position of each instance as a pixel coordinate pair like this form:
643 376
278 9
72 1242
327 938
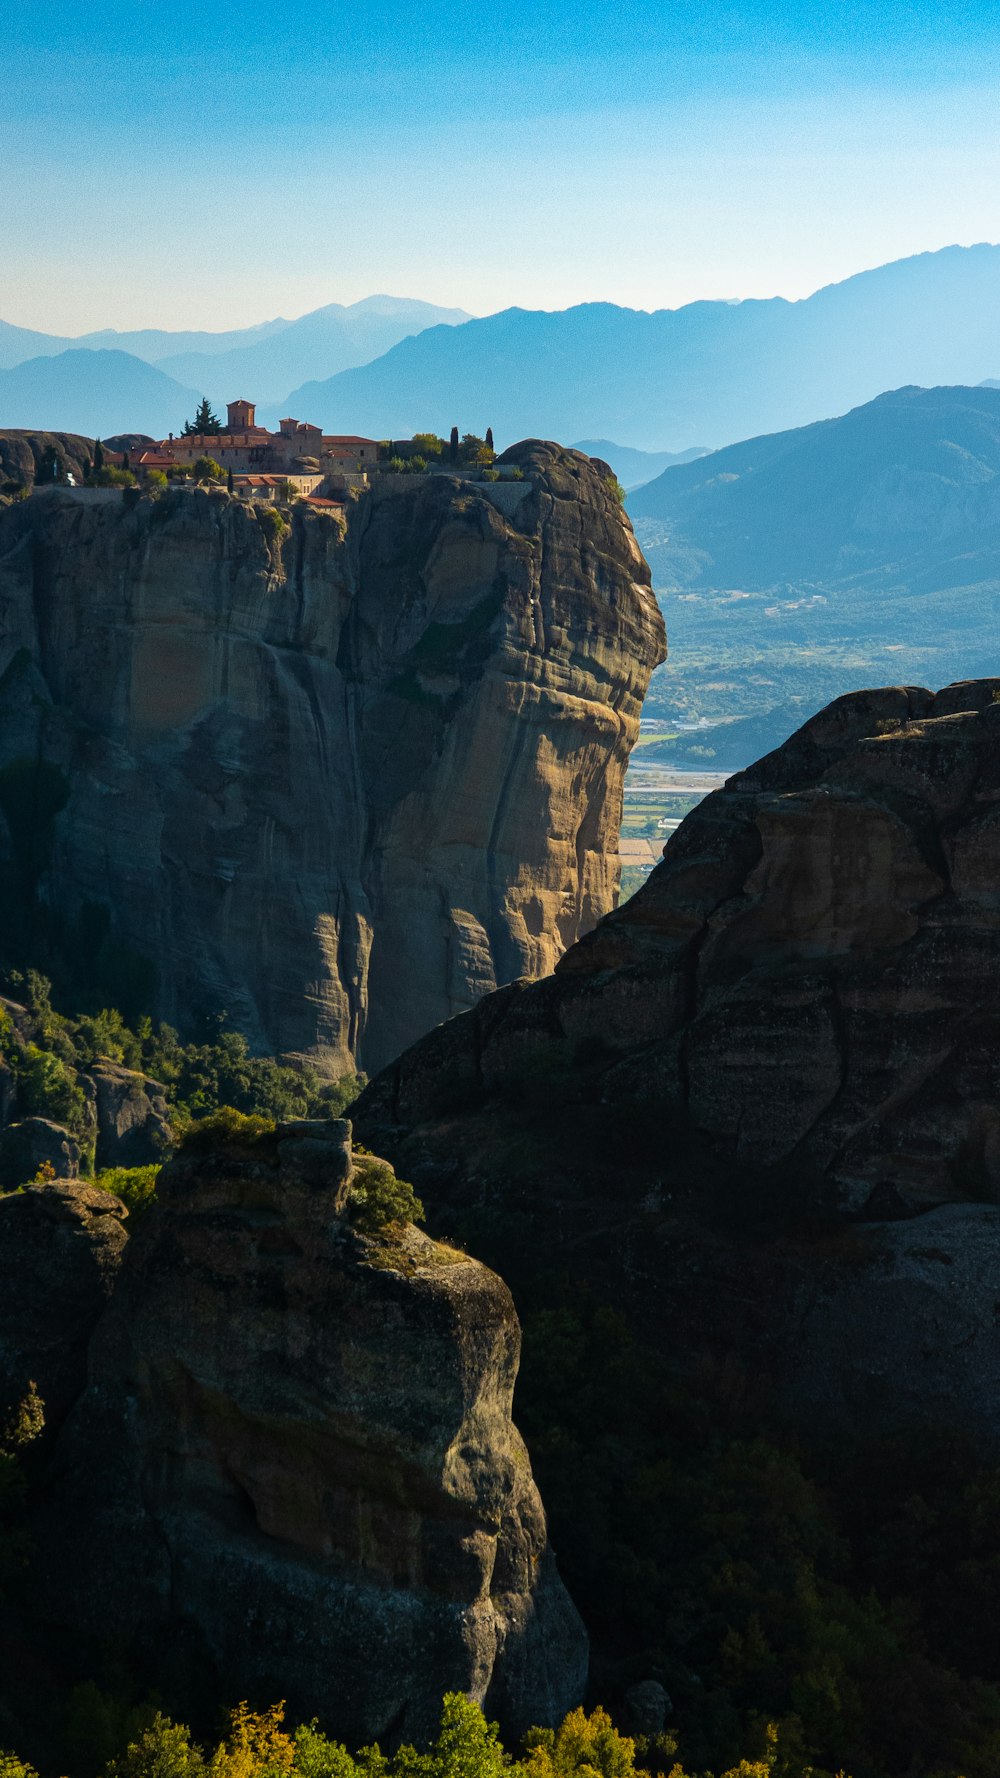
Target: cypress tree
98 456
453 445
489 438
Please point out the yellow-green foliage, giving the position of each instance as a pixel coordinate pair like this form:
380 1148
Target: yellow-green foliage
378 1199
226 1128
258 1745
136 1186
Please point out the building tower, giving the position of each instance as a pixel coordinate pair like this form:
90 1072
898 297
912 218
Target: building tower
242 416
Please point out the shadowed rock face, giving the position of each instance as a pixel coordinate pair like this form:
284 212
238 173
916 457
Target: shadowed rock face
61 1246
340 786
728 1099
809 978
296 1459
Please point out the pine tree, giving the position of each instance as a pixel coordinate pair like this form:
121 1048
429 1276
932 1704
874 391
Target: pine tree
206 421
453 445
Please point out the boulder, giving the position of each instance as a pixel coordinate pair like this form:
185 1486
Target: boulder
33 1144
296 1460
133 1120
60 1248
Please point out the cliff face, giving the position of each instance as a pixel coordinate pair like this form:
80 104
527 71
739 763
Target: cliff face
339 786
791 1029
296 1461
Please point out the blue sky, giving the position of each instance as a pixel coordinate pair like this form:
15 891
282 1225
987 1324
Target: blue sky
179 164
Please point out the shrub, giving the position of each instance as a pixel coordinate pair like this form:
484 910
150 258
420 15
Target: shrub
156 480
256 1745
225 1128
136 1186
379 1200
273 523
491 475
110 477
615 489
162 1750
206 469
48 1089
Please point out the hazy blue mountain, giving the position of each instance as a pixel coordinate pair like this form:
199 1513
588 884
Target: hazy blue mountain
633 468
709 370
860 550
328 340
260 362
93 393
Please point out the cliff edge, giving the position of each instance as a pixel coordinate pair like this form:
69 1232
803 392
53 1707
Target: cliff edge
337 784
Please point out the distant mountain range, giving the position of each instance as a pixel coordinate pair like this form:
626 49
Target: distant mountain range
864 549
711 370
93 393
634 468
661 382
260 363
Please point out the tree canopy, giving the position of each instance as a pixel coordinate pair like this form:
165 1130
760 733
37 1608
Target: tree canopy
206 420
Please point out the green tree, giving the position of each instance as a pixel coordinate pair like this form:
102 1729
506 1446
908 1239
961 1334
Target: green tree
206 469
206 422
98 454
453 445
162 1750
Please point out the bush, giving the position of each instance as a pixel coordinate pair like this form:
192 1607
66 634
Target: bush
163 1750
156 480
206 469
48 1088
136 1186
379 1200
225 1128
615 489
273 523
109 477
491 475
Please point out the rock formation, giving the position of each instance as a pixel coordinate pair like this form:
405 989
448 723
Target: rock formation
296 1464
61 1246
792 1028
337 785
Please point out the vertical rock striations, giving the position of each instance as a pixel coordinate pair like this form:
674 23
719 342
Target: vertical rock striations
296 1463
341 785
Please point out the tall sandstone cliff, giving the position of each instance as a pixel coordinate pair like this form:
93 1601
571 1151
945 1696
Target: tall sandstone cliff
788 1037
338 786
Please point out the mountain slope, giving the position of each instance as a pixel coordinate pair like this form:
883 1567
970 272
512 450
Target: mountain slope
913 474
95 393
262 361
795 565
635 468
709 370
328 340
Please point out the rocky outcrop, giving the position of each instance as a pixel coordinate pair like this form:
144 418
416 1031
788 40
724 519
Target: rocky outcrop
731 1100
60 1248
22 452
296 1462
337 785
809 978
36 1143
133 1119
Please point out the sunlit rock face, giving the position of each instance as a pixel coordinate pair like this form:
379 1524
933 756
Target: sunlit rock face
337 784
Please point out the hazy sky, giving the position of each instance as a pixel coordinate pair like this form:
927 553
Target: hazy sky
170 163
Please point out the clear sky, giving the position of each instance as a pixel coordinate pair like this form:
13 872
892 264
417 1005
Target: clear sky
170 163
